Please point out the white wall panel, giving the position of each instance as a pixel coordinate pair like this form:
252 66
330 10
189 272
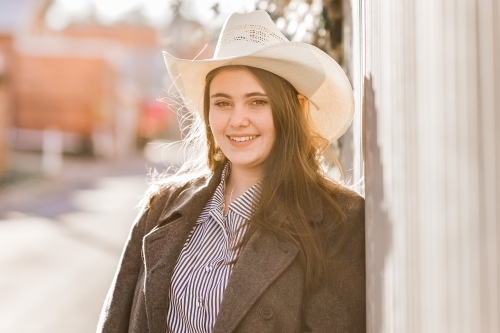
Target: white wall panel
429 77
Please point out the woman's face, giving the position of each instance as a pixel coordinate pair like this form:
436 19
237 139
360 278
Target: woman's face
241 119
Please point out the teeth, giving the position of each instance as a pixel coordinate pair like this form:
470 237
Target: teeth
242 138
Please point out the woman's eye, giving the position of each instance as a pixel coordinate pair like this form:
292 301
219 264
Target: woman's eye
259 102
221 104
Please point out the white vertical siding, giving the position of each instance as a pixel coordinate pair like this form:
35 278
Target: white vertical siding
429 79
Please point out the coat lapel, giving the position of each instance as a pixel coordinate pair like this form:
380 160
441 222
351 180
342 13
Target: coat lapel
261 261
161 249
162 246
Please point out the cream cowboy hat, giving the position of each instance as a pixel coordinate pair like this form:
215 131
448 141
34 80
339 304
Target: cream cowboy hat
254 40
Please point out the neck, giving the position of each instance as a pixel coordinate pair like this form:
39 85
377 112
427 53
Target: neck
241 180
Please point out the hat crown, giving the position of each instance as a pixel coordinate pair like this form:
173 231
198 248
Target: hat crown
247 33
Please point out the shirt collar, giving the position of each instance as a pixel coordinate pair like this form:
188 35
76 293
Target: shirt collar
243 205
216 201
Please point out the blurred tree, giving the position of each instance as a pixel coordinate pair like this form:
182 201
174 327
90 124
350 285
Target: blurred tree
318 22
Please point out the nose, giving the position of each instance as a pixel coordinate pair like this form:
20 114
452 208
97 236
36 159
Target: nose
239 117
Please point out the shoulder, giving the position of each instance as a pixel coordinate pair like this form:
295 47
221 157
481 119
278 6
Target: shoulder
350 202
343 199
340 300
164 190
349 235
167 193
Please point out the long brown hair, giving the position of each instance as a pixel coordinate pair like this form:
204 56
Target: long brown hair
292 175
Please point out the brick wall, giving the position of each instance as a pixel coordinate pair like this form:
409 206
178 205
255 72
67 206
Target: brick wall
3 127
66 92
6 60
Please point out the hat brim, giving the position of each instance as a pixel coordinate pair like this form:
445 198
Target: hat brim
311 71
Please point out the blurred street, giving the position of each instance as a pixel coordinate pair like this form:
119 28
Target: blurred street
60 241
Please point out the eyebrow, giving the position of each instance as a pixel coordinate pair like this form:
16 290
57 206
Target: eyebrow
252 94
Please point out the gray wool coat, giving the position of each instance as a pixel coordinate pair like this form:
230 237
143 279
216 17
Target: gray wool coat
265 292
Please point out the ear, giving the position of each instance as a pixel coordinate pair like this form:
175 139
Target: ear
304 102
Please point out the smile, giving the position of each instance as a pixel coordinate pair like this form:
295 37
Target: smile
242 138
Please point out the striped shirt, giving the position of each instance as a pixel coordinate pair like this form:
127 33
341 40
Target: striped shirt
202 270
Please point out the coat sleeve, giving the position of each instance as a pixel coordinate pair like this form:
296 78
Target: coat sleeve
115 313
339 304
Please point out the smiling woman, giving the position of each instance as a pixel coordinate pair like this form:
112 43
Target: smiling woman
241 122
250 235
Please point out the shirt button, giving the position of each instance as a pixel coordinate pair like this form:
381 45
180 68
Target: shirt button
208 268
266 312
200 302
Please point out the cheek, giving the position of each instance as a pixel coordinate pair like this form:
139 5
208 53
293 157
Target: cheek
273 137
216 124
212 121
270 128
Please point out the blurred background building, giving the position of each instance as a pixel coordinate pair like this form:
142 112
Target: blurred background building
90 77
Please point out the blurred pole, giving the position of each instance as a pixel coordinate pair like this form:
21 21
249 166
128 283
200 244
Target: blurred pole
430 76
126 118
52 151
4 115
103 144
351 156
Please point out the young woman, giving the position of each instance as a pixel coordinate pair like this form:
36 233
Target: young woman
250 235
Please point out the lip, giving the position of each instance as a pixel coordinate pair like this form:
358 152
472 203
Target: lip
242 143
242 138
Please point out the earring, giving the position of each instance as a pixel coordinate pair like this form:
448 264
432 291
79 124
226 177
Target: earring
219 155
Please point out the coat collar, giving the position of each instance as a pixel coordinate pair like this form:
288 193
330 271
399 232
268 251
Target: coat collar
191 199
260 262
162 246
